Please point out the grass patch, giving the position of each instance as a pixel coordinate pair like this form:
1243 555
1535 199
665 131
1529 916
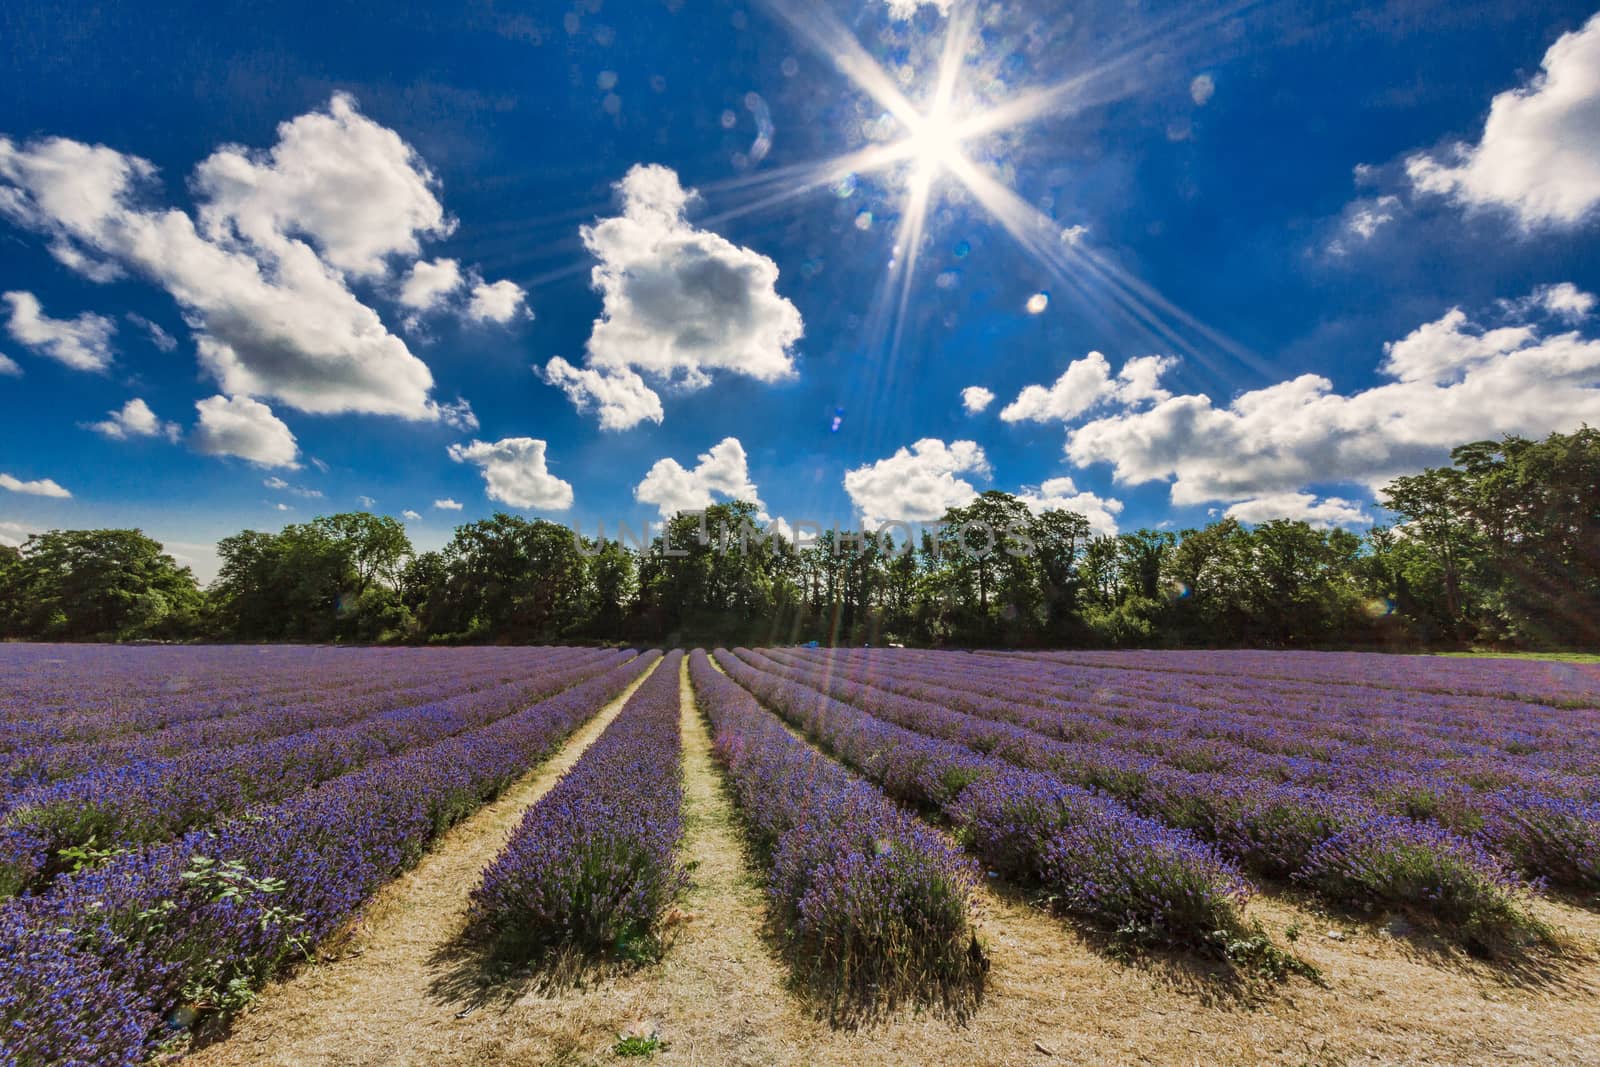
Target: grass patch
1552 657
636 1045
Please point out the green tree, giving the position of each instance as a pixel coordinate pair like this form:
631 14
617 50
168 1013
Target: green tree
720 574
334 578
1302 588
510 579
987 551
375 546
1209 570
1433 505
1060 538
1143 555
106 584
1512 529
612 581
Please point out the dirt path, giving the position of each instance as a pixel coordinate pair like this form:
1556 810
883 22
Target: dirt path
720 994
376 1003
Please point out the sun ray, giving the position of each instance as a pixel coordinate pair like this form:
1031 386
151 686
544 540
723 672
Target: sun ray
932 150
1085 89
934 144
797 179
1071 261
830 37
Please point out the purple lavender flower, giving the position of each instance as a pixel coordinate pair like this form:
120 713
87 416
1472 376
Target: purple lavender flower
873 905
591 865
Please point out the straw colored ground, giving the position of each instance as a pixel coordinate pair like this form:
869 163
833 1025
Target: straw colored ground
397 992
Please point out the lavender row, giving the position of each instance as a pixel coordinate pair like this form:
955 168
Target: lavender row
871 904
196 685
591 867
1447 789
40 764
1339 711
1347 851
106 690
1528 820
49 828
1565 741
106 966
126 687
1454 789
42 675
1557 683
1413 693
1489 723
1127 691
1126 874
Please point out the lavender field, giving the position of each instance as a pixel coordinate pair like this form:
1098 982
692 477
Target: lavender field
184 830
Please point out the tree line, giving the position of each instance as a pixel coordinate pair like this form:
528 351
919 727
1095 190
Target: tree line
1501 546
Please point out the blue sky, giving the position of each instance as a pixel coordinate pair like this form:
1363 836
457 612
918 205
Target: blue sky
551 259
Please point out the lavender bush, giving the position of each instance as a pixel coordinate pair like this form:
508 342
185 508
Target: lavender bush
358 689
873 906
591 865
1392 862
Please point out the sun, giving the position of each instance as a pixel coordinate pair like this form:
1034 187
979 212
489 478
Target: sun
934 144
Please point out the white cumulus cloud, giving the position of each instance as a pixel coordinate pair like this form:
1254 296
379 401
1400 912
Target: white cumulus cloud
447 504
411 516
38 487
1361 222
135 419
261 268
498 302
975 398
678 304
1202 89
13 534
516 472
1368 218
1563 300
8 367
1061 494
1448 381
621 398
246 428
1087 383
354 188
158 336
282 486
427 284
901 10
917 484
432 286
723 471
1539 154
1323 513
82 343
